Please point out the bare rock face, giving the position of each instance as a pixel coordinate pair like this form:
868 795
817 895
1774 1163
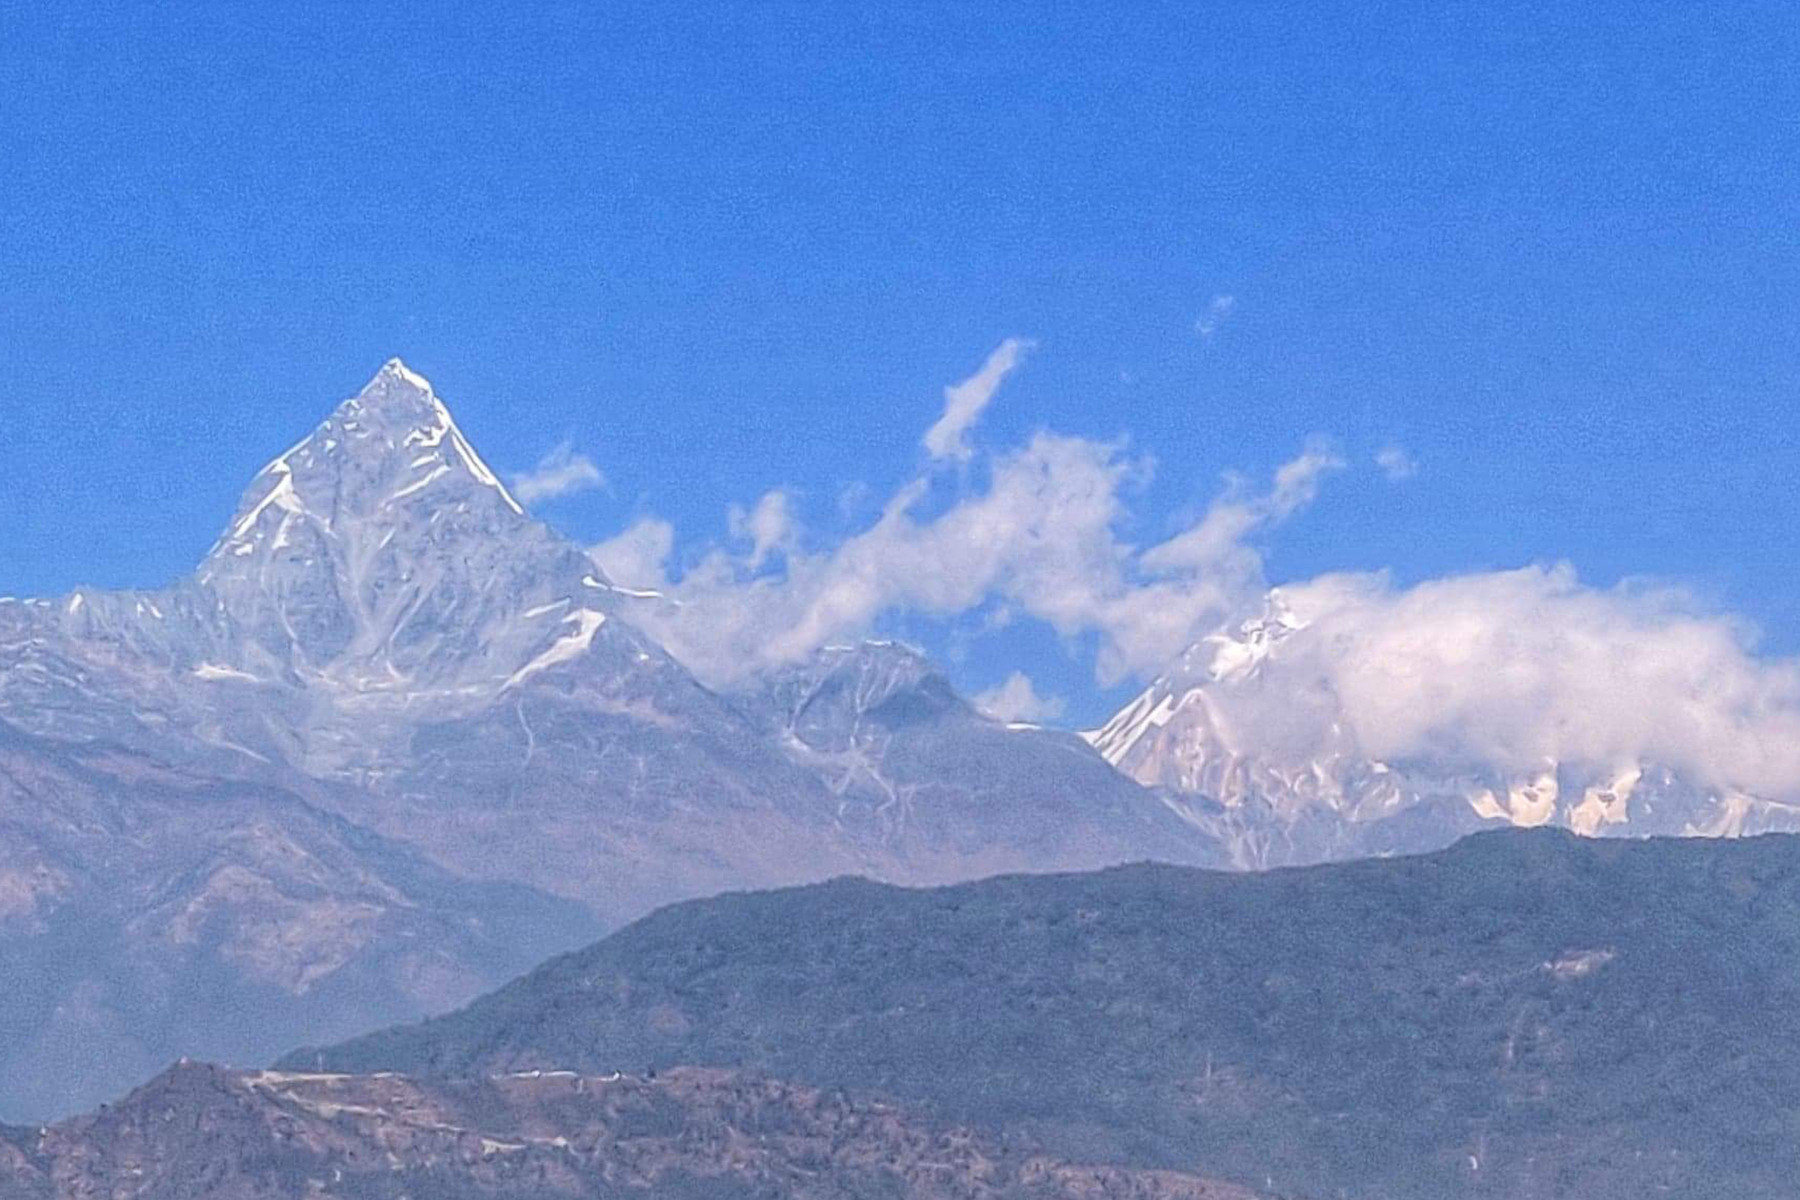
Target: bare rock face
394 741
202 1133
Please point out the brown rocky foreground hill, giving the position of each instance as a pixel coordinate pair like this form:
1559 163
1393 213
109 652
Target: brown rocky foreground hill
200 1132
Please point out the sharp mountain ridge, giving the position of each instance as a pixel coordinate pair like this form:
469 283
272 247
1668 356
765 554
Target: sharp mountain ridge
385 671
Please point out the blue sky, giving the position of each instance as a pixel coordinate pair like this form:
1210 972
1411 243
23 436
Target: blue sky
1549 251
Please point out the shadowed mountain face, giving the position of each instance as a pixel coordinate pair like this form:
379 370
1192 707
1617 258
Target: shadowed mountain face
201 1133
910 764
144 908
393 741
1523 1015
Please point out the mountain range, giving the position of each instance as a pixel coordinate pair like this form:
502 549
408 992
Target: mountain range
394 741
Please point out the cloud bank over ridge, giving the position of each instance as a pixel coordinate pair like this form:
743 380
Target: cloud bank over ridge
1511 668
1530 666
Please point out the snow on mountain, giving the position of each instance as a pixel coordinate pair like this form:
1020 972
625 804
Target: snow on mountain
1248 746
376 567
391 719
909 761
382 555
383 644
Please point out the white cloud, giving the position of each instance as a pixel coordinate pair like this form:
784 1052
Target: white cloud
1514 668
964 402
1220 533
562 472
1504 668
769 527
1042 538
1016 699
1208 322
1396 463
638 557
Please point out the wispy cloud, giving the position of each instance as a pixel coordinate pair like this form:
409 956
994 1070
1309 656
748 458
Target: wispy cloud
1508 667
770 527
964 402
1396 463
1217 310
562 472
1041 537
639 556
1017 699
1237 513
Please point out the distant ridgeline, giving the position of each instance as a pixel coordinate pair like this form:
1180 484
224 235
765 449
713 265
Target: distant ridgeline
394 741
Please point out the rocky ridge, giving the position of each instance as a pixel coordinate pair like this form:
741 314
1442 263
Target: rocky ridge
386 672
198 1132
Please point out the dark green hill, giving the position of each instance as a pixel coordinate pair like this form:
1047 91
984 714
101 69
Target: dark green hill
1523 1015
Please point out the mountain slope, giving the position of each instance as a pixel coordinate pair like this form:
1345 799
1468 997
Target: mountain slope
384 629
385 660
201 1133
145 910
1525 1014
911 764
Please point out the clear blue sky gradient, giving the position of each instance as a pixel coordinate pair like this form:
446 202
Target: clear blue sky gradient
1553 250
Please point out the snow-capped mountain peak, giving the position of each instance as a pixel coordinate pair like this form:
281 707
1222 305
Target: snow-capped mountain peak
383 554
396 370
1239 655
1248 741
377 566
394 445
399 397
1233 657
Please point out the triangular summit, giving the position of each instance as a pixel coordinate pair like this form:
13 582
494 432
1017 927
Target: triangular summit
382 552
